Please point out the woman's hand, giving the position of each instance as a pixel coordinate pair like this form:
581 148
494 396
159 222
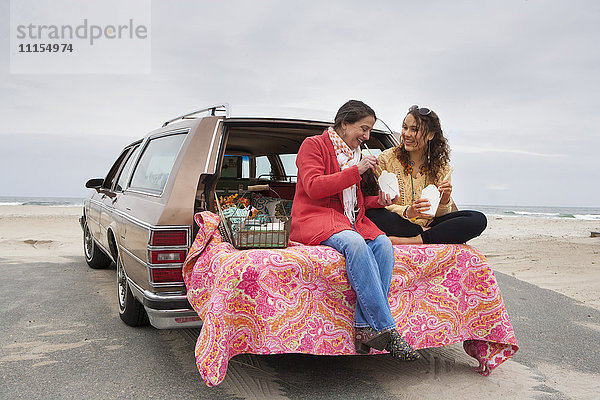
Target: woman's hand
366 163
385 199
417 209
445 189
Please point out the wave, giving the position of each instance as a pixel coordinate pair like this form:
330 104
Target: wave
544 214
588 217
535 214
51 203
566 216
46 202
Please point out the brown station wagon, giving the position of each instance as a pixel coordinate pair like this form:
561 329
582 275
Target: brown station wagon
140 215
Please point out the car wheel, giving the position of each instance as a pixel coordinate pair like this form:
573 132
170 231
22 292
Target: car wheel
131 311
94 256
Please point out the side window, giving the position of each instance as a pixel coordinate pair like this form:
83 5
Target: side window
232 167
263 167
156 162
376 152
126 169
245 167
112 174
266 170
289 166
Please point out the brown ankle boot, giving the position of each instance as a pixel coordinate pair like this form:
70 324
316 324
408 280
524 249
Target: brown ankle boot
365 338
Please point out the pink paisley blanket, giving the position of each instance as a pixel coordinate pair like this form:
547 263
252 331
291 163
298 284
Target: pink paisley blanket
299 300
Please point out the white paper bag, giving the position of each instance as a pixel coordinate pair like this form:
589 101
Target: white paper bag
432 194
389 184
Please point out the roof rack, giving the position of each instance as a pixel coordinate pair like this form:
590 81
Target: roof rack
212 110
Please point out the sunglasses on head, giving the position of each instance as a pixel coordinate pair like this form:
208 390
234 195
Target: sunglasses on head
421 110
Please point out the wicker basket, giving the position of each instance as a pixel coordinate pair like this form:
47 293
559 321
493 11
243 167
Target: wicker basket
244 227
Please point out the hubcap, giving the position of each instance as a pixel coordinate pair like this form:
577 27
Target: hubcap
88 243
121 285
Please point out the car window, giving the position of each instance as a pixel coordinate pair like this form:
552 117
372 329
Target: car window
156 162
263 167
374 152
126 169
112 174
231 167
289 166
245 167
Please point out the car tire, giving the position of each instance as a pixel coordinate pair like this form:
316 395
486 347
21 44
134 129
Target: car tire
94 256
131 311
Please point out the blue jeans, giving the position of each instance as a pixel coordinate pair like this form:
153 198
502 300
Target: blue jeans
369 264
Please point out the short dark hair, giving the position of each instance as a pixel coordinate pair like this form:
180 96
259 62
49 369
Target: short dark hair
352 111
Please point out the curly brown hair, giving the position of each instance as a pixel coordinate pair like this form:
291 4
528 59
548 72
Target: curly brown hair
438 151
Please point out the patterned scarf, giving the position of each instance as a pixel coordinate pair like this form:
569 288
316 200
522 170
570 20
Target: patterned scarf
346 157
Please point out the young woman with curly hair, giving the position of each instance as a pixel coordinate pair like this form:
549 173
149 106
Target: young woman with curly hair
423 159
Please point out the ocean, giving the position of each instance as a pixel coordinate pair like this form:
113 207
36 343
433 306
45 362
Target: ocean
584 213
41 201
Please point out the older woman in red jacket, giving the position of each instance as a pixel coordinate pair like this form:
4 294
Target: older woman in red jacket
329 209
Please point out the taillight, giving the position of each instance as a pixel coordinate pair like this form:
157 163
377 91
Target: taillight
167 256
168 248
166 275
168 238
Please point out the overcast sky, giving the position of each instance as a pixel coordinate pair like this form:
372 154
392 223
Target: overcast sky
516 84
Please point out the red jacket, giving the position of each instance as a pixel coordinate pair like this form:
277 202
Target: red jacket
318 210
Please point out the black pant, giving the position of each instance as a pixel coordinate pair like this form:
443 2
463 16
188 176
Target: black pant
456 227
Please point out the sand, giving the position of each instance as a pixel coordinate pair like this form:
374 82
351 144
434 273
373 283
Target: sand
556 254
40 233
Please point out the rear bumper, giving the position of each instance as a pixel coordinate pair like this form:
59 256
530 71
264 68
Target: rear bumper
165 301
166 311
173 319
